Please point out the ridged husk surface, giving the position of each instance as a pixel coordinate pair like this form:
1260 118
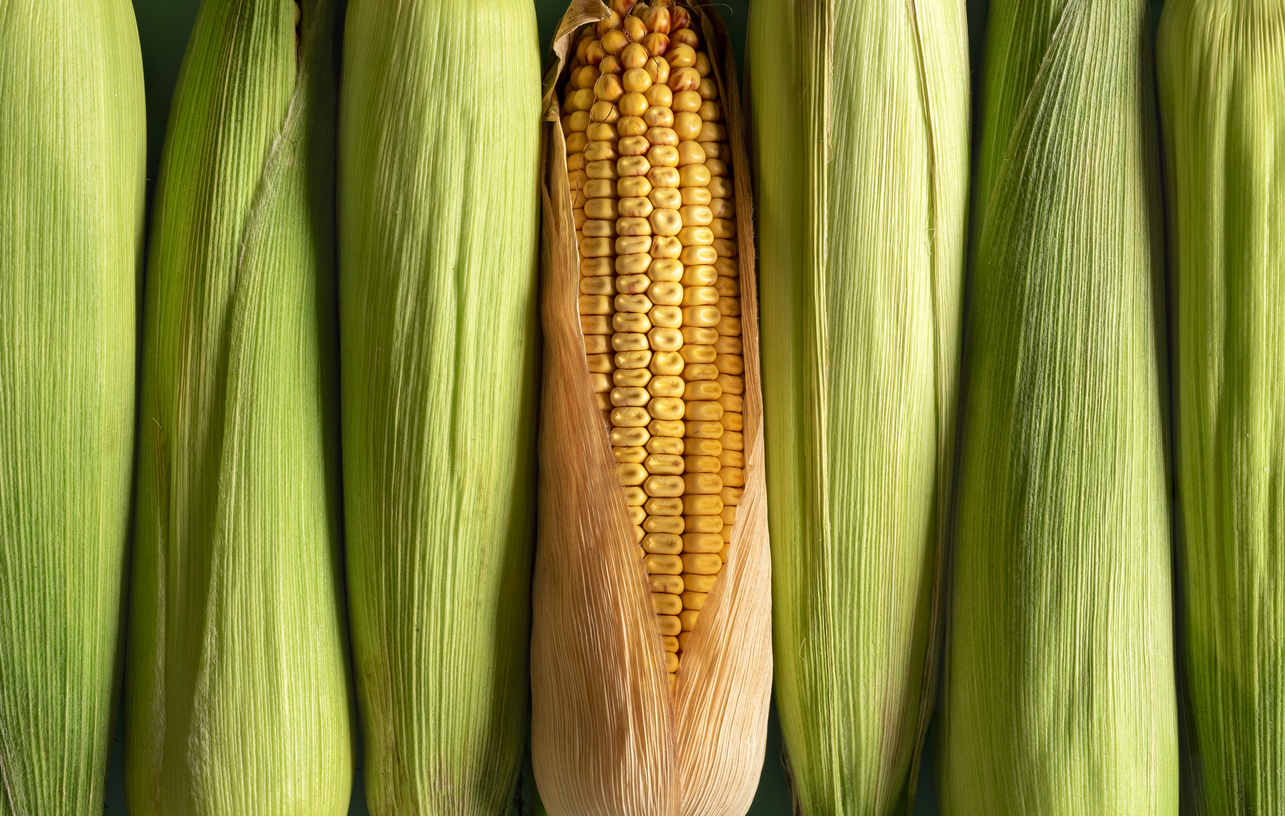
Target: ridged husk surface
1059 684
1221 67
72 182
238 688
439 208
607 736
861 157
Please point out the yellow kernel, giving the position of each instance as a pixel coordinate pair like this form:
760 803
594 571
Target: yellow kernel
696 216
704 429
695 371
601 208
665 269
702 316
604 111
664 156
633 245
713 150
730 326
687 617
693 175
693 600
665 339
667 408
698 583
686 101
594 304
614 41
636 81
635 496
629 437
670 643
702 391
667 362
631 416
691 154
666 222
661 176
682 638
732 495
732 441
600 383
598 188
631 473
640 358
665 386
665 604
631 126
733 476
595 247
701 464
703 524
634 56
599 229
634 207
711 111
635 455
633 264
673 584
687 125
663 564
664 293
730 364
630 323
673 525
725 248
732 403
636 304
708 90
701 483
671 665
669 317
599 363
632 166
728 287
663 464
698 256
664 544
704 542
668 624
664 486
731 384
697 196
666 427
595 324
632 146
702 447
722 228
662 136
632 104
700 295
733 422
698 354
696 236
702 563
658 117
632 284
622 397
664 445
659 94
664 507
637 515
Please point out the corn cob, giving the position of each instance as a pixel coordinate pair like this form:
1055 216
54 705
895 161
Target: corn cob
659 293
238 691
648 494
72 182
1059 689
862 193
1221 72
439 231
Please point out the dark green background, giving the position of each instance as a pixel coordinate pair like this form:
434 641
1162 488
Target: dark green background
163 28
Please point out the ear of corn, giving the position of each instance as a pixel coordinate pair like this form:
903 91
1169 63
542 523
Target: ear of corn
1059 691
651 670
438 172
72 156
1222 93
862 194
238 689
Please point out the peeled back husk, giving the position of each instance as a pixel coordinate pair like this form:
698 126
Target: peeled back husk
238 688
607 734
862 194
1221 72
439 143
72 183
1059 679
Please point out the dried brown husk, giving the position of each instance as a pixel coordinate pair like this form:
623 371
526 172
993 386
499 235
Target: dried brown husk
608 737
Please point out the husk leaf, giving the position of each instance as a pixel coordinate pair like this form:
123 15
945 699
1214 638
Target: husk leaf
1221 66
72 185
608 738
439 144
238 688
1059 685
863 193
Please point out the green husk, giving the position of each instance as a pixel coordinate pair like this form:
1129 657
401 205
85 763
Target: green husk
72 183
1059 683
238 690
439 141
1221 67
861 129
